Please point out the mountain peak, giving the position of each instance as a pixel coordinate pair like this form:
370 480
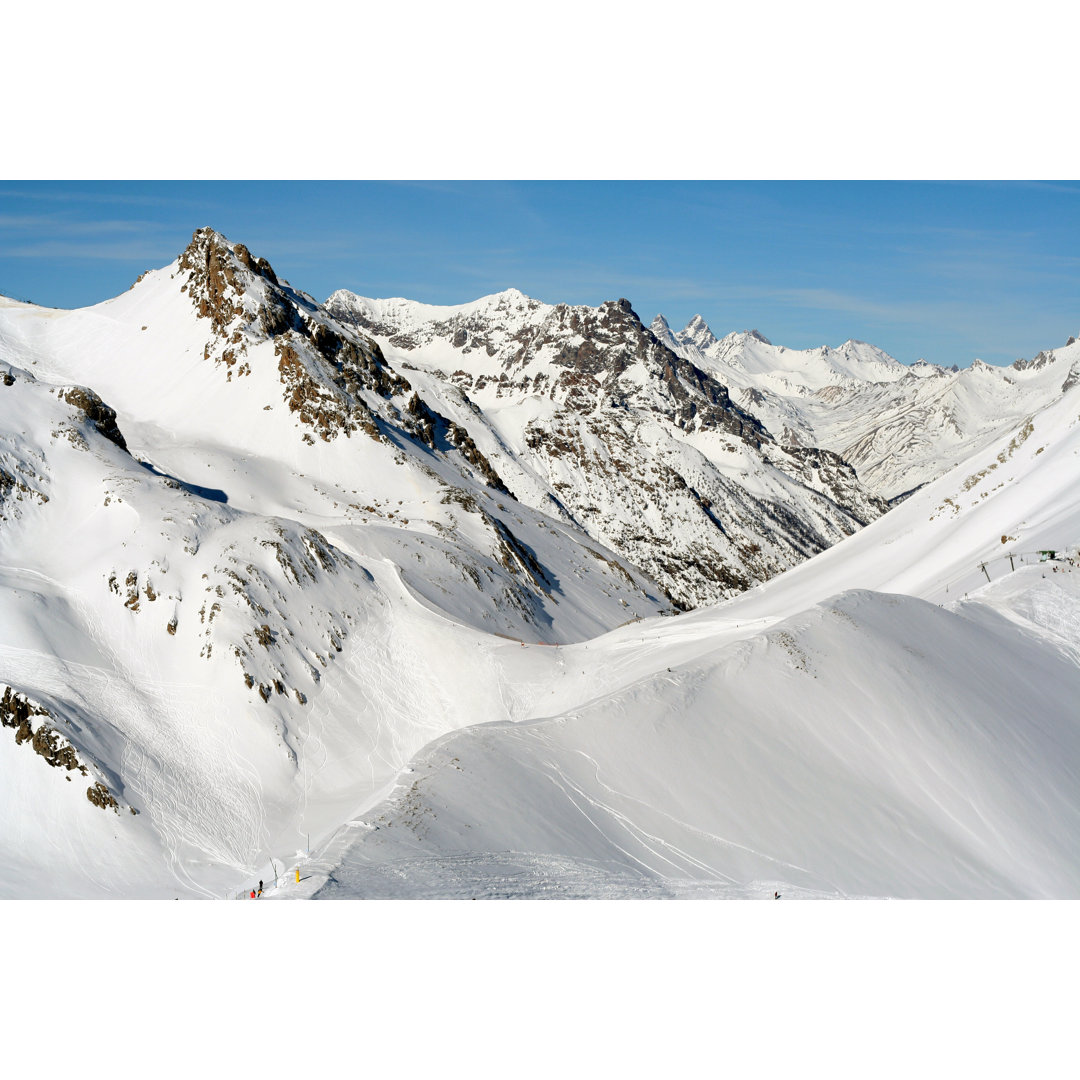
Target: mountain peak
501 299
219 274
205 237
207 243
697 333
661 330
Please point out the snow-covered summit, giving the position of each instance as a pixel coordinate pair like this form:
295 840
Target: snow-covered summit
923 369
697 334
410 317
662 332
748 358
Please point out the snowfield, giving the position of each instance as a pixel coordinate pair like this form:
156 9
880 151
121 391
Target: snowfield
280 603
876 745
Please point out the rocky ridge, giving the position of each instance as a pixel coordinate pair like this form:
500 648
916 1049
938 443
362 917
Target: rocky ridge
637 445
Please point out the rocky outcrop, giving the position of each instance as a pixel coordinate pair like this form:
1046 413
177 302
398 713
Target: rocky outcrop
827 472
99 415
20 714
335 378
437 433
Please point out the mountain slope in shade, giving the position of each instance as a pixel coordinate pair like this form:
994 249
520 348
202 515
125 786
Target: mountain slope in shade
590 416
899 426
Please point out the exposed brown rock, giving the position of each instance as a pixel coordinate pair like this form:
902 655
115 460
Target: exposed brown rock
99 415
100 795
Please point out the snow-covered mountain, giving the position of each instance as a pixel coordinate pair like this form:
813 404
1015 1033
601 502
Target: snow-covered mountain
286 584
216 507
895 717
900 426
592 418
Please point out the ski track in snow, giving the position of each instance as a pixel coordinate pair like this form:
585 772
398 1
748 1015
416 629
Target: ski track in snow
519 875
390 689
693 829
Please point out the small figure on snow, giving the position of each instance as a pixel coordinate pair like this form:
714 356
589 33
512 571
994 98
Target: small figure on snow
252 894
260 888
776 896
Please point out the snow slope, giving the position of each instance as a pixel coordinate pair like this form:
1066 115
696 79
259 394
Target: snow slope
811 737
875 745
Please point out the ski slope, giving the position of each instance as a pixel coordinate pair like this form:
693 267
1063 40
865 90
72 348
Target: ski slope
852 728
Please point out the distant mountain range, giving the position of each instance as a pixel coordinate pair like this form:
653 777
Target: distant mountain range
900 426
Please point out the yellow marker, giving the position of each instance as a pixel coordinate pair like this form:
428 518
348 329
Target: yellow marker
298 875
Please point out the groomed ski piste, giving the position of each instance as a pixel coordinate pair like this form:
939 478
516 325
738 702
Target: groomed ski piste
896 717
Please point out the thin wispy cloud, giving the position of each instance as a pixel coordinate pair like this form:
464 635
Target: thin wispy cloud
1051 186
69 227
61 249
439 187
102 197
301 250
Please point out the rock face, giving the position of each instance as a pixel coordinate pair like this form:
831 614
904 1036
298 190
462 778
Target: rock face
600 421
336 381
96 412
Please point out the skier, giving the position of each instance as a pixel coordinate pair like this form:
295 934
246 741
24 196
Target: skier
252 894
260 888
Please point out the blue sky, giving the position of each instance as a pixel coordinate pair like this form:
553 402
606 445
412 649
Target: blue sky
948 271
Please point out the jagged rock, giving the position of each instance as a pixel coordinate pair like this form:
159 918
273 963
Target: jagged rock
100 795
97 413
